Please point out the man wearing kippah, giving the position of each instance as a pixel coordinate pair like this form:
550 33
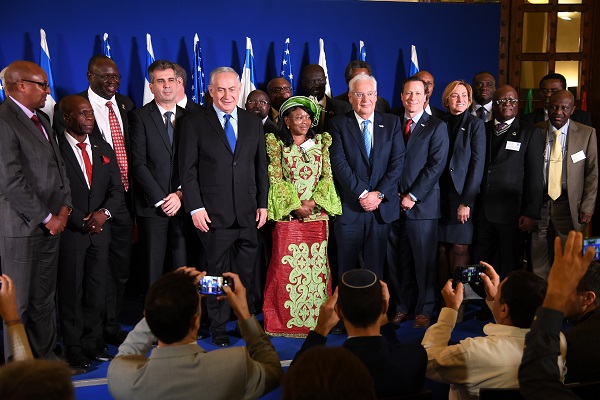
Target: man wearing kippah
361 301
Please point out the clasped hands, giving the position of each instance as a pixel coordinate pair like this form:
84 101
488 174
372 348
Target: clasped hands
57 223
369 202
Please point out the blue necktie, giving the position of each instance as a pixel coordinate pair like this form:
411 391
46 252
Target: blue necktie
229 132
169 125
367 137
482 112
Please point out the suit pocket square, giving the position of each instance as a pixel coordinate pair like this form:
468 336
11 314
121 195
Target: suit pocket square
105 160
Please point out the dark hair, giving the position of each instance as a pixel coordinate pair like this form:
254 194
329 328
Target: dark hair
484 72
415 78
170 305
355 65
328 373
95 59
591 281
283 131
523 292
361 307
180 72
36 379
554 75
160 65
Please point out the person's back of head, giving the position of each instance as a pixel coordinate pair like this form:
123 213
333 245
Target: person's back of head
328 373
170 306
360 298
34 380
523 292
585 297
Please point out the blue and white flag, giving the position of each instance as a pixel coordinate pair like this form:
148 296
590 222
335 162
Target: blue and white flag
47 67
106 46
198 87
248 81
286 64
414 61
323 64
148 96
2 95
363 51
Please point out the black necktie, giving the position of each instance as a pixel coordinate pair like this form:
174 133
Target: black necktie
169 125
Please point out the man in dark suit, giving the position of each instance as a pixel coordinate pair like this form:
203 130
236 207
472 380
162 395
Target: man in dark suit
279 90
111 124
223 167
362 67
97 191
181 98
35 203
413 242
511 190
313 83
366 161
484 86
361 301
157 198
549 85
258 103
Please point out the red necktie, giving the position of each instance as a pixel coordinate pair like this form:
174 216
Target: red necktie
407 130
37 123
118 144
87 162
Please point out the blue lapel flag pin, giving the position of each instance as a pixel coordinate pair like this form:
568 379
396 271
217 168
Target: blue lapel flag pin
423 125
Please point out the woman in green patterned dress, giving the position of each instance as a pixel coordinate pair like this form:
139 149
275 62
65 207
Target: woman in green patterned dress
302 195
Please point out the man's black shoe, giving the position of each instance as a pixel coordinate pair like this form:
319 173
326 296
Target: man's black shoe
220 339
98 355
78 360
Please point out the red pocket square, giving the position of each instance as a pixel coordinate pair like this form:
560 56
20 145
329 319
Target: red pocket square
105 160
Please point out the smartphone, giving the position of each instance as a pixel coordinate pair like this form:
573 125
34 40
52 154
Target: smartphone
467 274
593 242
213 285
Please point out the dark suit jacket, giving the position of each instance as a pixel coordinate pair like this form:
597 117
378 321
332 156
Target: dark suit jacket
381 105
538 115
513 184
353 172
153 159
106 191
583 349
397 369
332 108
193 107
33 180
467 157
229 185
425 158
269 126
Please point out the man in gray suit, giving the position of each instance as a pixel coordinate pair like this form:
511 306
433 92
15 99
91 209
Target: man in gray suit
35 203
180 369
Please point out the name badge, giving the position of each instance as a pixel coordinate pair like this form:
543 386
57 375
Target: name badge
308 144
514 146
580 155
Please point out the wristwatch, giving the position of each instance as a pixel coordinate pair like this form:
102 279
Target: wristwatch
106 212
380 196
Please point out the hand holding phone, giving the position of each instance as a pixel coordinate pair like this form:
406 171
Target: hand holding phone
213 285
467 274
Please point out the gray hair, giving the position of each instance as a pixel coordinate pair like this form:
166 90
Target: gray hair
219 70
362 78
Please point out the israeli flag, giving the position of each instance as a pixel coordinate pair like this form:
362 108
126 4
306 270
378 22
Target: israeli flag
286 64
363 51
323 64
148 96
106 46
248 81
198 86
47 67
2 95
414 61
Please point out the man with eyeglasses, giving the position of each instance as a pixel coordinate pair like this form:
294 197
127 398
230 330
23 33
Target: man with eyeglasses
484 86
258 103
112 125
511 190
279 90
570 178
35 204
313 83
550 84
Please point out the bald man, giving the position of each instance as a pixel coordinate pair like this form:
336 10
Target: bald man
35 203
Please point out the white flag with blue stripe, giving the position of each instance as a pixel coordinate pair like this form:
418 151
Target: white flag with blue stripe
2 95
47 67
148 96
198 86
363 51
414 61
286 64
248 81
323 64
106 46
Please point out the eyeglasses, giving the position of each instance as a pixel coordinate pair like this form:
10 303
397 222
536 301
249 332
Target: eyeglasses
105 78
259 102
44 85
509 101
281 89
360 95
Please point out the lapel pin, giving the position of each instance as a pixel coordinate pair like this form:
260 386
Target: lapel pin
123 106
514 133
423 125
462 129
381 126
94 146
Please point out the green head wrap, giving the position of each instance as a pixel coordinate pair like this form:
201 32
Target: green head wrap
302 101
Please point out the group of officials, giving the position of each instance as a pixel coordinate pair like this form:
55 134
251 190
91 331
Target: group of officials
69 193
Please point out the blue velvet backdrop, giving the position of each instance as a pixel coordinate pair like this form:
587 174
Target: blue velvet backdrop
453 40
